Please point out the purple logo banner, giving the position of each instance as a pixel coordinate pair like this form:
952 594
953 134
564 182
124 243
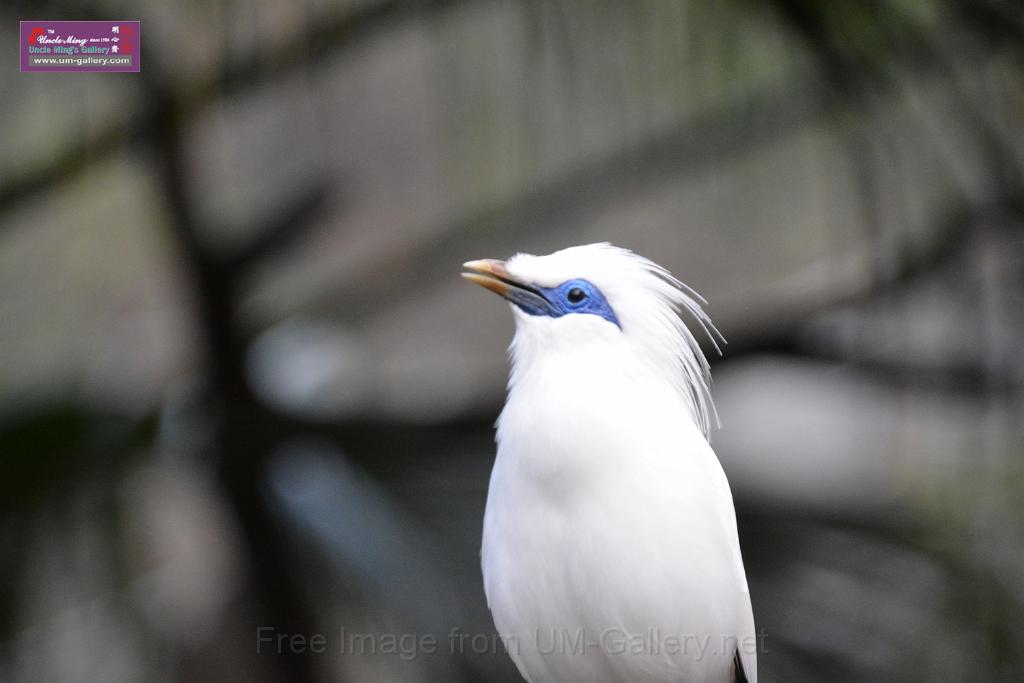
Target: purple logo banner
80 46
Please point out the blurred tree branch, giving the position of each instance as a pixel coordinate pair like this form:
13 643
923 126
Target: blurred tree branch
287 226
242 442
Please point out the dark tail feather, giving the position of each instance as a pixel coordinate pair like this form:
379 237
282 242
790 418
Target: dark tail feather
737 666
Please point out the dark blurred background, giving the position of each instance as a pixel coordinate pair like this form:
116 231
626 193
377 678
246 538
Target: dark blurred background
242 385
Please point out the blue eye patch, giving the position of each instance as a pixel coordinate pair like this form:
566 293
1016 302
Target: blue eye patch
572 296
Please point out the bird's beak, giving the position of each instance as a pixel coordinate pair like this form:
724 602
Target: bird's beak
493 275
488 273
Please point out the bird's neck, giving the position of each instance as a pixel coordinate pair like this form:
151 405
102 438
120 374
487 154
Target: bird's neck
555 370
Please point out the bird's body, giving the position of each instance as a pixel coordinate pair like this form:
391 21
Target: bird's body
610 550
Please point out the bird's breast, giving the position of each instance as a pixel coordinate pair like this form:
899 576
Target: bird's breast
572 421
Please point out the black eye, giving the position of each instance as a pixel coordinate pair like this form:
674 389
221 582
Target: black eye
576 295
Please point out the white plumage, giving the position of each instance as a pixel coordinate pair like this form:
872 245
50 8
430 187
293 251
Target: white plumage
610 550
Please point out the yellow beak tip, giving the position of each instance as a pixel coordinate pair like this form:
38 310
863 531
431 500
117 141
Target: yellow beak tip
487 273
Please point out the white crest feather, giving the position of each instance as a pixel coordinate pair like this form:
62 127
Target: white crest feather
693 364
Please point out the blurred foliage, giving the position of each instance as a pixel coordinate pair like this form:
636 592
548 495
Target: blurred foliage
47 453
50 456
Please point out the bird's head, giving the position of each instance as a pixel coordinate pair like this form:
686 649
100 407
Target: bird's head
604 299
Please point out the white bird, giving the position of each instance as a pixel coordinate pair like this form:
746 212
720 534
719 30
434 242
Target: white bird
610 550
